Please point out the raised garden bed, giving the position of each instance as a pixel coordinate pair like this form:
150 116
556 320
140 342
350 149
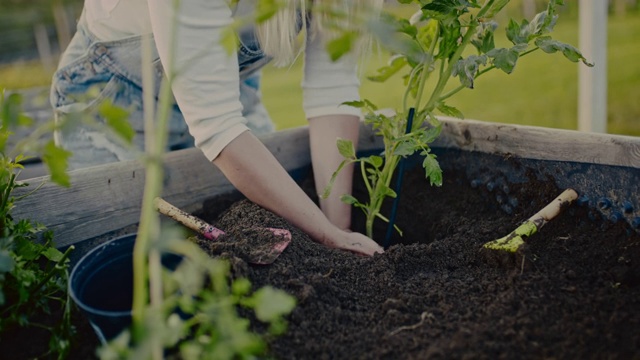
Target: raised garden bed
572 292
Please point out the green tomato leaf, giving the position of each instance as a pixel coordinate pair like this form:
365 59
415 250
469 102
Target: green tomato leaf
271 303
427 34
449 111
542 23
404 26
26 248
348 199
229 40
340 45
241 286
375 161
396 63
484 39
432 170
356 104
56 160
431 134
549 45
361 104
117 119
516 33
395 41
450 35
504 59
265 9
467 68
53 254
442 9
346 149
405 148
388 192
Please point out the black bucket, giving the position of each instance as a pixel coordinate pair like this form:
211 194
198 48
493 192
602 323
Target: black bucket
101 284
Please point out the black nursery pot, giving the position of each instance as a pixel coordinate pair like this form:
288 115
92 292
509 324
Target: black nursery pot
101 284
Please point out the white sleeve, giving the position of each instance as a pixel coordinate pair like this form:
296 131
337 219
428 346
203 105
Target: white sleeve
205 77
327 84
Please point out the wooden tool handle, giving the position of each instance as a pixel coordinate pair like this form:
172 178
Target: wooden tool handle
553 208
188 220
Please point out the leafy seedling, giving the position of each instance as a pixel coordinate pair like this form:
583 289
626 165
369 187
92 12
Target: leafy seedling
445 40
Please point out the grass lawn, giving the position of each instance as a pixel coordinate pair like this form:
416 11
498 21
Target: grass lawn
541 91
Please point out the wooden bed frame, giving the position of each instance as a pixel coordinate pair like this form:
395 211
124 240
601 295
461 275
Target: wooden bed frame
106 198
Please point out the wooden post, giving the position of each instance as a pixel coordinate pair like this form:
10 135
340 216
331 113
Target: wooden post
44 46
592 92
620 7
529 8
62 25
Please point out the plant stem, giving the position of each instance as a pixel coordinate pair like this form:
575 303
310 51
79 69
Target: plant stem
425 70
148 229
363 171
408 90
444 77
378 195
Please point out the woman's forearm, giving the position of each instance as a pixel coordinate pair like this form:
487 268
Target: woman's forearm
323 133
255 172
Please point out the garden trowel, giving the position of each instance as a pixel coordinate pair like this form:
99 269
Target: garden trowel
514 240
266 254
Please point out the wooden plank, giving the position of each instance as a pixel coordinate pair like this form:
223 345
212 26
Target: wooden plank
108 197
540 143
592 82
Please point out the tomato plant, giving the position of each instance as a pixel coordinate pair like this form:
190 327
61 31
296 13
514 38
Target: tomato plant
444 40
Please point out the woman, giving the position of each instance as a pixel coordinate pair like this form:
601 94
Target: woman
215 96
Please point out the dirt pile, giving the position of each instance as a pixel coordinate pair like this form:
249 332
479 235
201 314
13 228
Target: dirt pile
572 292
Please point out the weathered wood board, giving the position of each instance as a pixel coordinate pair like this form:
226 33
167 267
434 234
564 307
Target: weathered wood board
106 198
540 143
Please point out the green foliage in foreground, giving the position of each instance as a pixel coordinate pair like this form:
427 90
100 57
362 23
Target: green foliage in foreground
198 317
33 273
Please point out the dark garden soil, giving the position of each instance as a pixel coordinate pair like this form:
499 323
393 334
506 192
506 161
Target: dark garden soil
572 292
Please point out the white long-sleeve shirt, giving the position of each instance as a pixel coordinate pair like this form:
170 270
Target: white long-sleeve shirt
205 77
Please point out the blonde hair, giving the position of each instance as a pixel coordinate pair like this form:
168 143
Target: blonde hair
279 38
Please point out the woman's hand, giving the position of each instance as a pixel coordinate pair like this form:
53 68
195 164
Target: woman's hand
355 242
256 173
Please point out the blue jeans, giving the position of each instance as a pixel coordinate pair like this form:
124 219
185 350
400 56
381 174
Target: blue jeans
92 72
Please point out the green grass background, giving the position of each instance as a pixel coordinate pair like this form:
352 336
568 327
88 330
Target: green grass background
542 90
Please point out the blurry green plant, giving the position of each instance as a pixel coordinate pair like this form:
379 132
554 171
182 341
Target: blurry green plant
193 311
434 43
199 313
33 273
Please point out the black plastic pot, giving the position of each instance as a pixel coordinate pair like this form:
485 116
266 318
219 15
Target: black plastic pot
101 284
